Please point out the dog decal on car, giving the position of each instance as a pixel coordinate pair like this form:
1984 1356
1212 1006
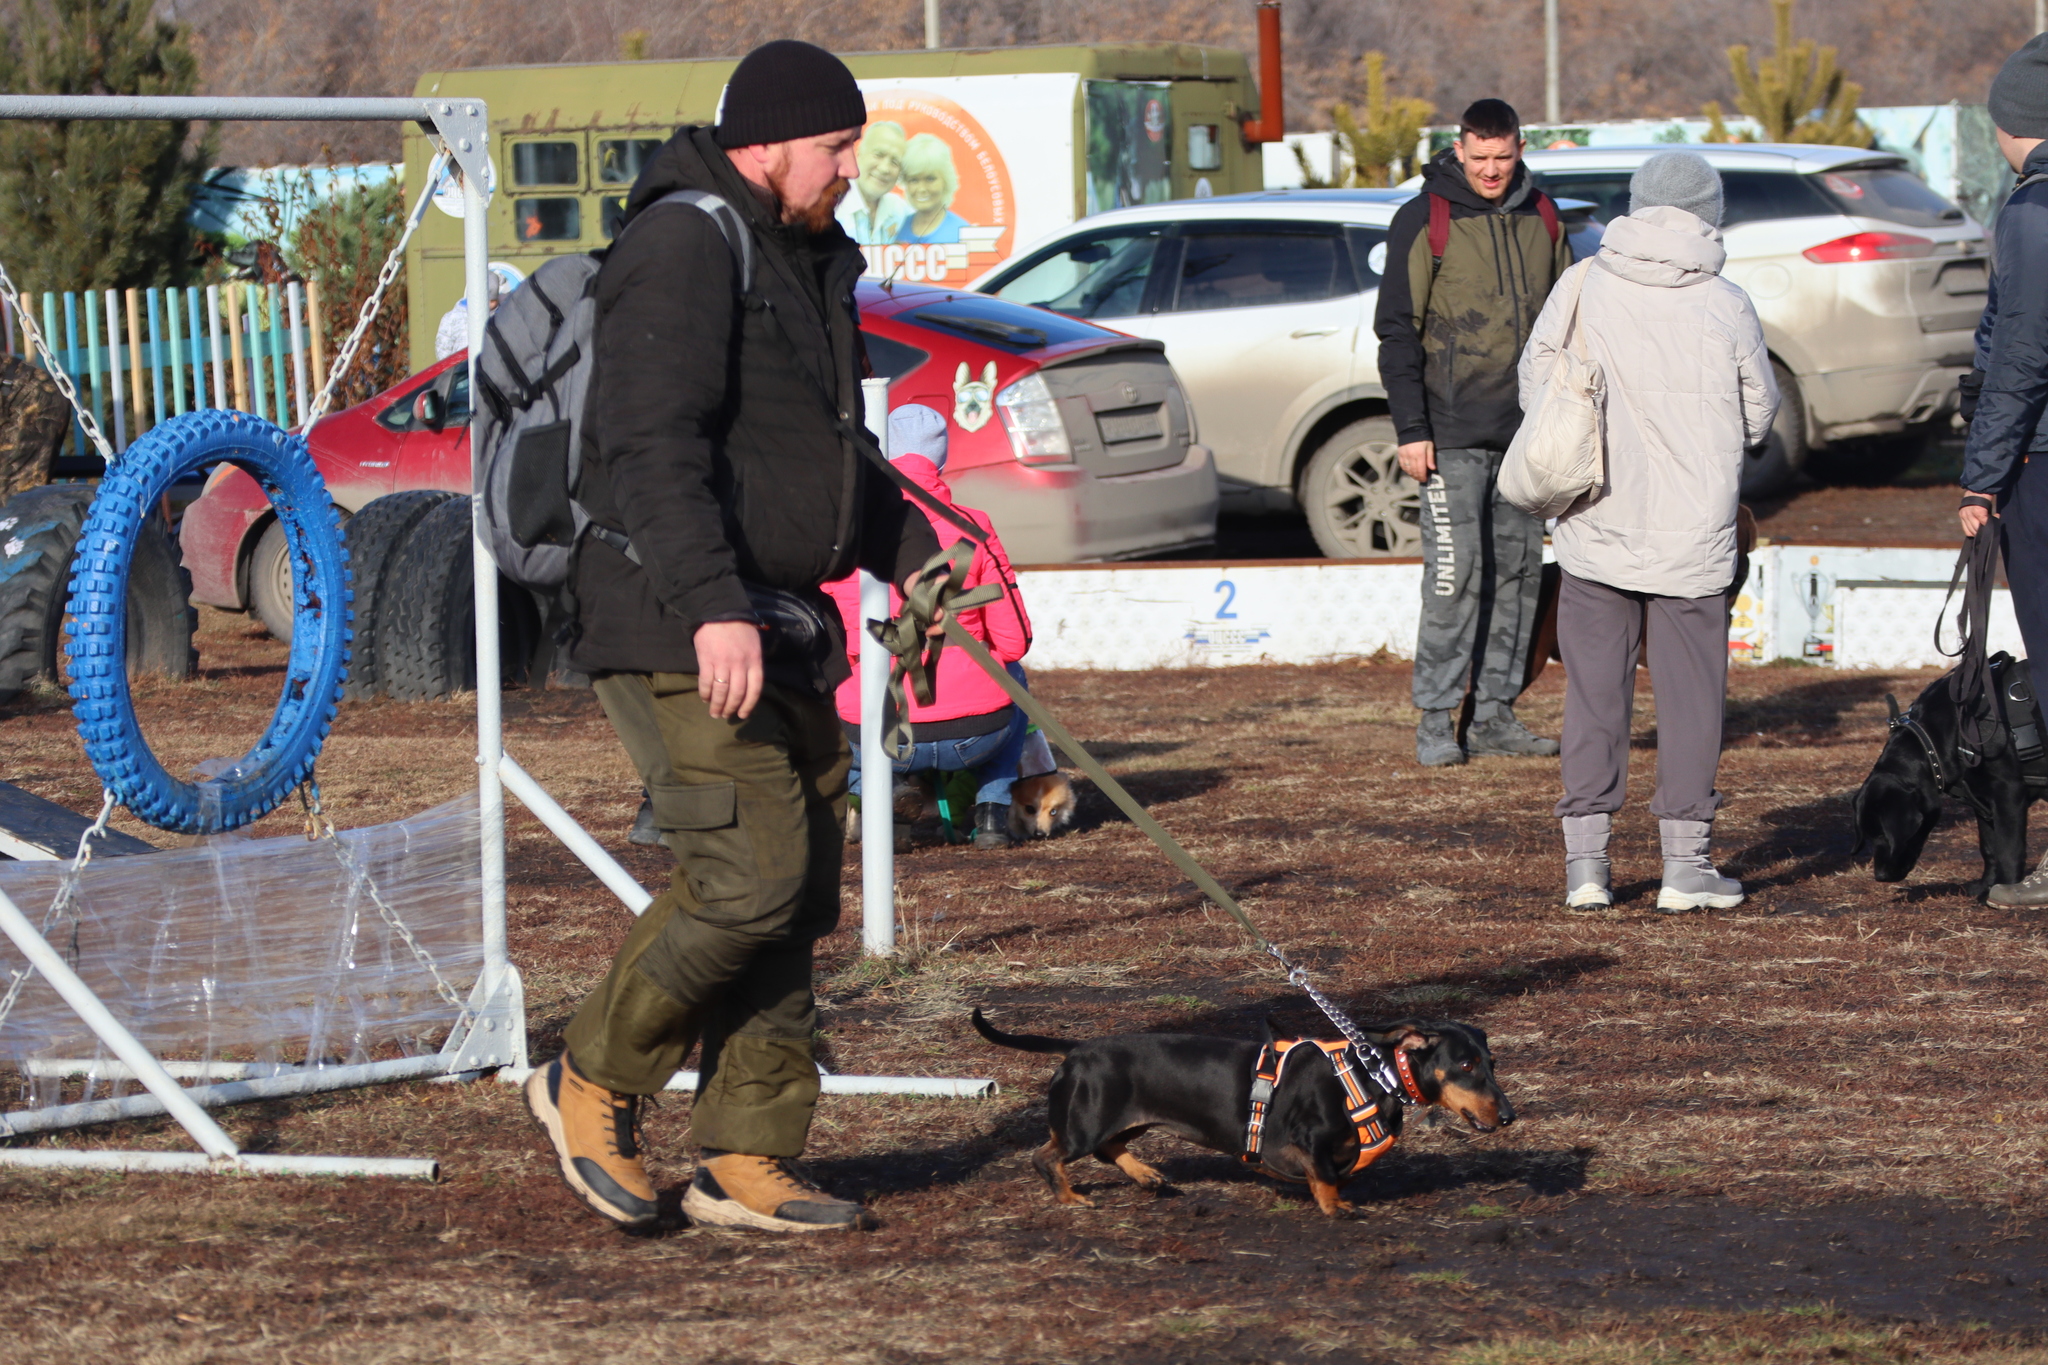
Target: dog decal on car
974 400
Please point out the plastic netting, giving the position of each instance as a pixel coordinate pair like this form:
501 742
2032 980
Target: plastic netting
253 950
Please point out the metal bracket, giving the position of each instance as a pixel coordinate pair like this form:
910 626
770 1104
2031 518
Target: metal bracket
496 1036
461 124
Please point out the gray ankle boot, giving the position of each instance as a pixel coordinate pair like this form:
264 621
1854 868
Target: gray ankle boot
1690 881
1436 740
1587 873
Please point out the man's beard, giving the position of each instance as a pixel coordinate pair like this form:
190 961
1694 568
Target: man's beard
818 215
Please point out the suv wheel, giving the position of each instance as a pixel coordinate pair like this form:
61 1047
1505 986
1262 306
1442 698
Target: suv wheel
1359 503
270 582
1771 467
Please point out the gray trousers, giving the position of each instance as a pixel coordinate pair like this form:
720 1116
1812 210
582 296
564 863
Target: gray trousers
1600 634
1482 571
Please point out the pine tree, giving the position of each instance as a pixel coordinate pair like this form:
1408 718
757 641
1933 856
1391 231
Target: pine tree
92 204
1382 152
1798 93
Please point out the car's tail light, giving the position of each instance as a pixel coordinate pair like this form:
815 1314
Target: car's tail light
1037 435
1870 246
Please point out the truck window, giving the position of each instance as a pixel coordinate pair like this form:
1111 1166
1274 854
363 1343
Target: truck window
1096 275
614 213
1240 265
545 163
547 220
619 159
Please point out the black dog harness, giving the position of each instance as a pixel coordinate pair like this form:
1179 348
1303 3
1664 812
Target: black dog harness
1360 1108
2017 716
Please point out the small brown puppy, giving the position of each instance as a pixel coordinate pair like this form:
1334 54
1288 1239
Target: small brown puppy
1041 806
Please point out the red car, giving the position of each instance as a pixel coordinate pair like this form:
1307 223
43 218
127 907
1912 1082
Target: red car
1077 440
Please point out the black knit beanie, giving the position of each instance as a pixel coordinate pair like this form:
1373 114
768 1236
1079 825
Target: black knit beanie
2019 93
785 90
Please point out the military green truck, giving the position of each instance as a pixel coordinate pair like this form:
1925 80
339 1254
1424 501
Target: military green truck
969 155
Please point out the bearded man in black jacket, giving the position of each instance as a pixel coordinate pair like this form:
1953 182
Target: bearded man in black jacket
723 478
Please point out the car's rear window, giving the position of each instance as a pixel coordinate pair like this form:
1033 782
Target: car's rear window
1892 194
1747 196
892 359
1001 323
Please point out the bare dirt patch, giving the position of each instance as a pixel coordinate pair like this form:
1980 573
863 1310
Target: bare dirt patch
1809 1129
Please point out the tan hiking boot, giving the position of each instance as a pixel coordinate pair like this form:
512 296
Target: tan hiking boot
596 1134
734 1190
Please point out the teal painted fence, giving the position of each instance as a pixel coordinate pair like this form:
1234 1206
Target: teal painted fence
140 356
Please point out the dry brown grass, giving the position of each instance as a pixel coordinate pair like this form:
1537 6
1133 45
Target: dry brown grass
1720 1113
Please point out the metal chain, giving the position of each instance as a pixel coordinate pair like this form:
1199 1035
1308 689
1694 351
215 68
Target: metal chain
319 826
367 314
1369 1054
56 371
66 890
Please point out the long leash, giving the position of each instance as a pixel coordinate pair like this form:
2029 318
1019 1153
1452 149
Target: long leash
905 637
1969 682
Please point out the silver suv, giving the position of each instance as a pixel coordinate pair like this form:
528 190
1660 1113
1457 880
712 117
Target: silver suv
1869 285
1265 302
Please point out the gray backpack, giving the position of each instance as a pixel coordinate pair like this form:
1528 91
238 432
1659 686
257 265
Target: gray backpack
534 375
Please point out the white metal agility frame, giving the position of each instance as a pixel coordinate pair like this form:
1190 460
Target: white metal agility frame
495 1037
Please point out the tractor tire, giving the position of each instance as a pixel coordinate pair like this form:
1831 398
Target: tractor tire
426 634
1359 503
39 532
376 536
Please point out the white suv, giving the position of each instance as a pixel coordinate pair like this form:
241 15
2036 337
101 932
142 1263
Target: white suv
1265 302
1868 283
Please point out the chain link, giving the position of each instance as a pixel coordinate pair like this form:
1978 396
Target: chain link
367 314
61 902
56 371
1369 1054
318 826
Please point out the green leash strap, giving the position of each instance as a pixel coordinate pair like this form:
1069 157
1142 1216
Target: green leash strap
907 637
1369 1053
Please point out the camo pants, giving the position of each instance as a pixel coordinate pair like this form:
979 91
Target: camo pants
1482 570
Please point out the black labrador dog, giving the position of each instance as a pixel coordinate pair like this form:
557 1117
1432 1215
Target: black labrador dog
1898 804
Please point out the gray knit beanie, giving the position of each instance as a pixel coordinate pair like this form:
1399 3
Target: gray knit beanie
915 429
2019 92
1683 180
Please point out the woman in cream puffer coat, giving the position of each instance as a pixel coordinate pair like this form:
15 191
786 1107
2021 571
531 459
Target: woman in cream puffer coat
1689 388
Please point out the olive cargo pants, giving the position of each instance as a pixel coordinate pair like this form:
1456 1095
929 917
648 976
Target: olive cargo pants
753 812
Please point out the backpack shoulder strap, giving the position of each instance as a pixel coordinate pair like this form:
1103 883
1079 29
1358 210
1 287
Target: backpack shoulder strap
1546 209
1439 227
729 225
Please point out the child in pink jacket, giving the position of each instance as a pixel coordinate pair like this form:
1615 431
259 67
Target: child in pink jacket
971 723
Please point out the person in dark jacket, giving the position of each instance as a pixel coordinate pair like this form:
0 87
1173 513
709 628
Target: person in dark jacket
722 461
1451 330
2007 428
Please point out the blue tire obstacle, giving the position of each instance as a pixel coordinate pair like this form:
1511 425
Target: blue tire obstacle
283 758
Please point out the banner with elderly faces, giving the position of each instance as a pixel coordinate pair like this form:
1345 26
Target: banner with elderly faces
947 166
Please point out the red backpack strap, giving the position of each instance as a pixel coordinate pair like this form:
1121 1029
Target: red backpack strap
1439 226
1546 209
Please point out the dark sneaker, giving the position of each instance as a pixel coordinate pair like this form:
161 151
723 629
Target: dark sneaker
1436 740
645 833
1506 737
734 1190
992 825
596 1135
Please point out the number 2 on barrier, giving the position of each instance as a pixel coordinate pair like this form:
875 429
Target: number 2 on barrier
1224 613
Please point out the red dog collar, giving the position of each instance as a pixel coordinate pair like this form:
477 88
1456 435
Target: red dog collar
1407 1070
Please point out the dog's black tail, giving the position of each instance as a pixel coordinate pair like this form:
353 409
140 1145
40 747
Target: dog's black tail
1023 1042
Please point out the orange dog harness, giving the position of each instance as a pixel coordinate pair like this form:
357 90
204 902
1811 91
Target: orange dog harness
1359 1107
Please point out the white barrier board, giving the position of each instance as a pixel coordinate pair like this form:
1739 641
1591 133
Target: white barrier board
1853 606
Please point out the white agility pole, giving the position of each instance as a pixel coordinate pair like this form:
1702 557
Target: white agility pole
877 774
